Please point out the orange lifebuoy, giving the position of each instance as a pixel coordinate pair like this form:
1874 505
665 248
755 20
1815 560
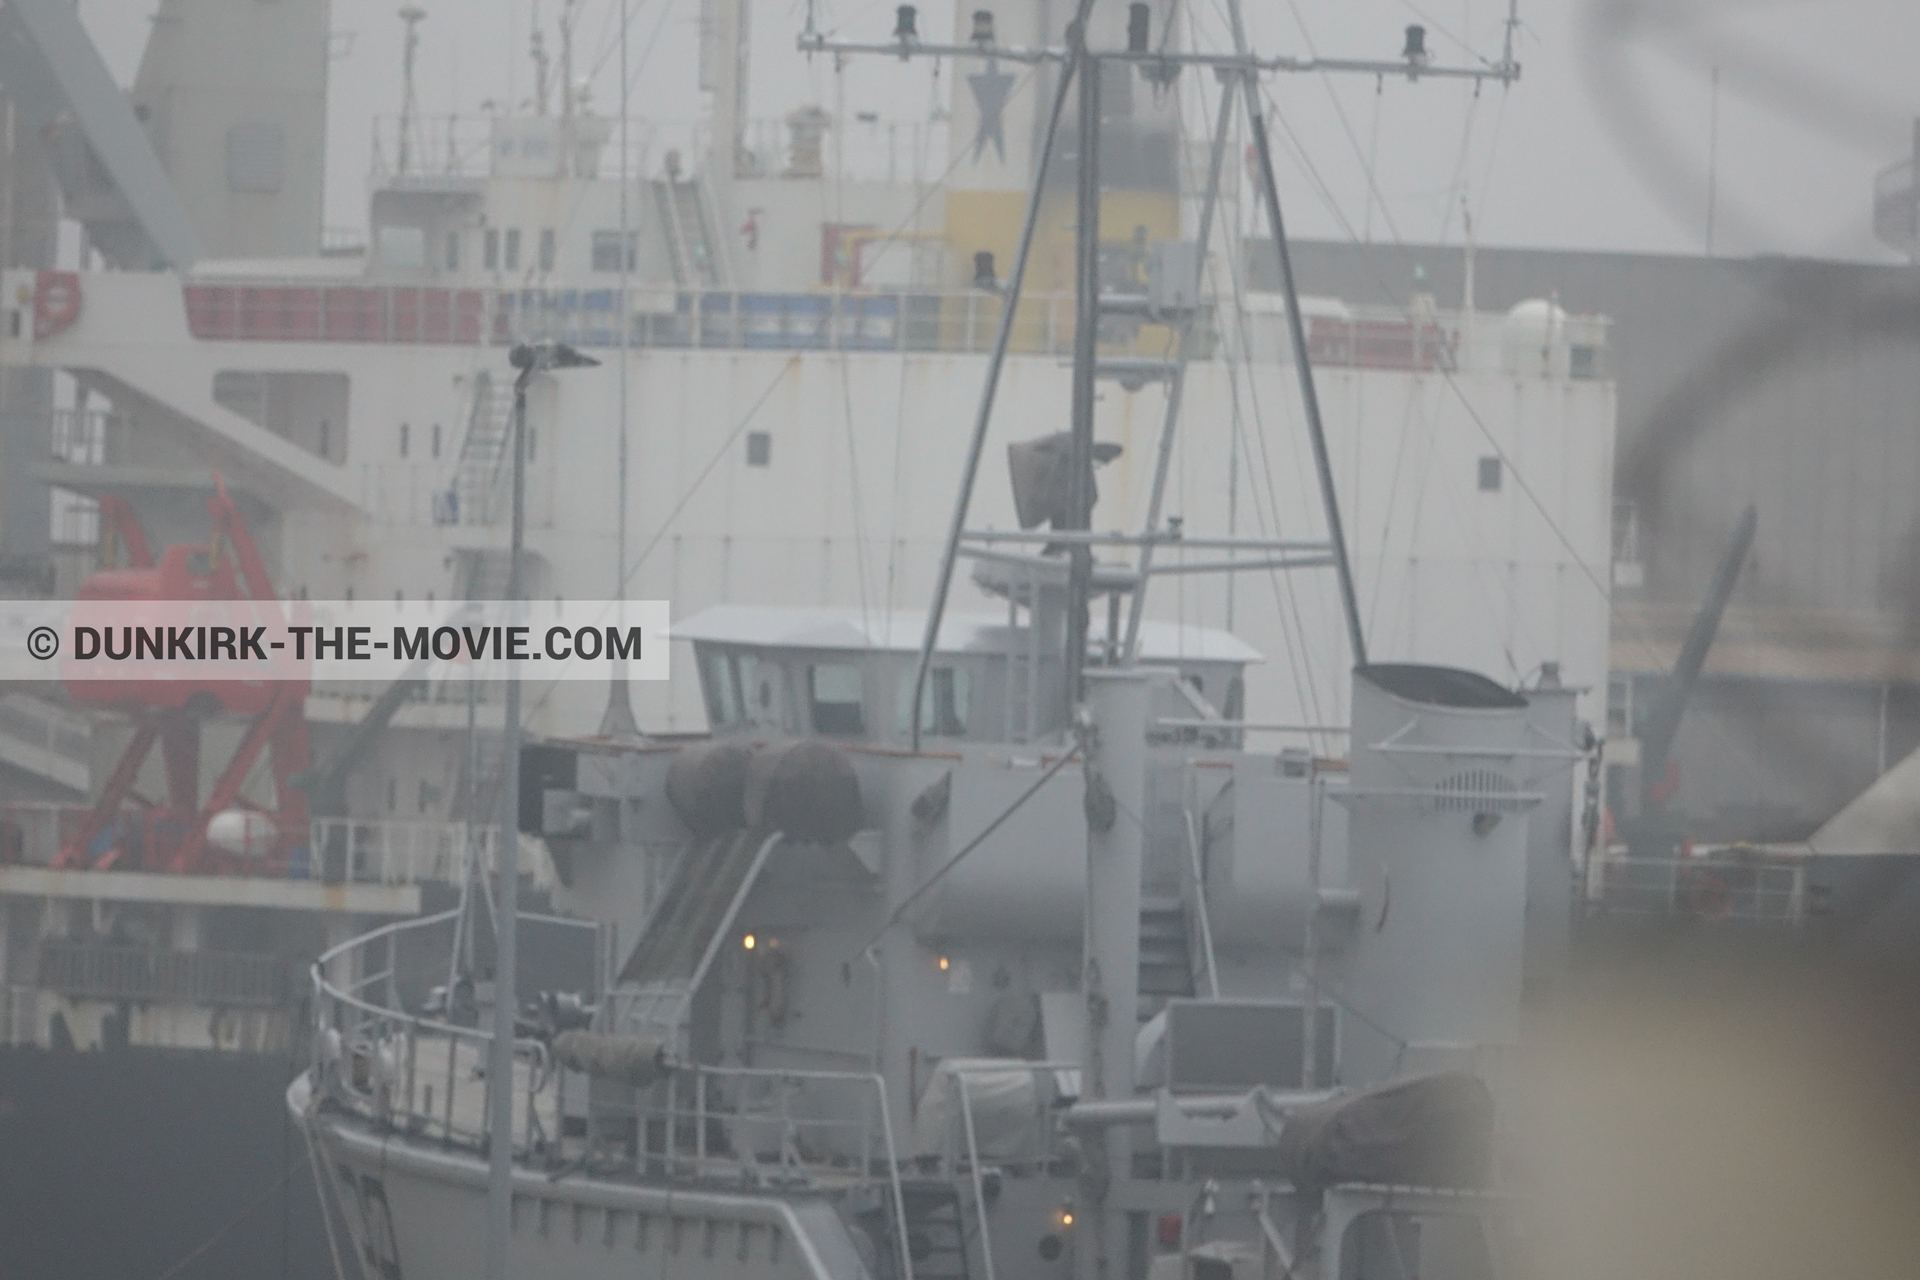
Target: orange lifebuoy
1705 892
56 301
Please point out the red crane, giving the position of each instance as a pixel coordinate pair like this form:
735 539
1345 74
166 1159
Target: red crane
123 830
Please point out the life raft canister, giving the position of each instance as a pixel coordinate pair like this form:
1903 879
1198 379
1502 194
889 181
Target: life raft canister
56 301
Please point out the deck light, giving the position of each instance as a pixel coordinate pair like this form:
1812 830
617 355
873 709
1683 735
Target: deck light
748 942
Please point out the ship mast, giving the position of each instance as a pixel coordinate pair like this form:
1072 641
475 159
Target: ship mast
412 15
1083 64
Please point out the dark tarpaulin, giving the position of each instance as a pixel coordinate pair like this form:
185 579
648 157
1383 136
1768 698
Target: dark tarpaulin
1427 1131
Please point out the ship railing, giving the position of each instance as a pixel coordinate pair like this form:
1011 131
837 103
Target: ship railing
1423 338
439 693
412 851
464 146
661 315
33 831
470 309
1737 889
777 1125
424 1074
385 851
156 974
960 322
767 1127
425 146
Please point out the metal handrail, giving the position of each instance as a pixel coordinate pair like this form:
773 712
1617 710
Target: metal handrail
361 1021
973 1169
330 1000
1753 891
960 1072
700 1112
661 1009
989 1066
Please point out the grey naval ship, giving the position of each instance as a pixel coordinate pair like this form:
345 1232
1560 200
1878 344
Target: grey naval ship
973 947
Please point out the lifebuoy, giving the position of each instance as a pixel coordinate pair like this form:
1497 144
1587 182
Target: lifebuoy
1705 892
56 301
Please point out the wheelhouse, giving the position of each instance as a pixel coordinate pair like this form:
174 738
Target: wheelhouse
839 673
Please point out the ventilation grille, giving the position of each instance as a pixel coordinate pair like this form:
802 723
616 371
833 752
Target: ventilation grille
1476 791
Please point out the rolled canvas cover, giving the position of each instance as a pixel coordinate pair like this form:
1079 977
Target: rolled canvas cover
806 790
707 787
1427 1131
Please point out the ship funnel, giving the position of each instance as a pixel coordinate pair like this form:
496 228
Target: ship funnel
1445 770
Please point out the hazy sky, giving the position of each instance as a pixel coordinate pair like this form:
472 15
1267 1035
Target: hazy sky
1603 144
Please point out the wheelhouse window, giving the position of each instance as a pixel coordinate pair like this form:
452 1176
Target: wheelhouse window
736 689
943 703
833 699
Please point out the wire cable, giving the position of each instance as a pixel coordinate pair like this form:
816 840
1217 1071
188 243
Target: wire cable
1066 758
792 362
220 1233
1346 126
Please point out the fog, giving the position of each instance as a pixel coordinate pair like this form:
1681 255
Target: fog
1694 1097
1602 145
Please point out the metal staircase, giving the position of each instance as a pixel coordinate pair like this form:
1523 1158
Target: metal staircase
1166 953
483 459
936 1232
684 932
691 243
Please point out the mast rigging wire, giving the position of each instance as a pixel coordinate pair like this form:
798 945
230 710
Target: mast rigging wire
1309 396
1340 112
1299 654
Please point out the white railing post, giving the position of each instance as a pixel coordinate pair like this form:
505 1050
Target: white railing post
893 1179
973 1168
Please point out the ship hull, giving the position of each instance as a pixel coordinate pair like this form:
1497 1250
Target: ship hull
417 1210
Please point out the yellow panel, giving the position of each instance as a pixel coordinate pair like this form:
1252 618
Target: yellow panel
990 220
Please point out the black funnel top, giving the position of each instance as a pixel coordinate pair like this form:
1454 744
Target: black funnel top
1441 686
